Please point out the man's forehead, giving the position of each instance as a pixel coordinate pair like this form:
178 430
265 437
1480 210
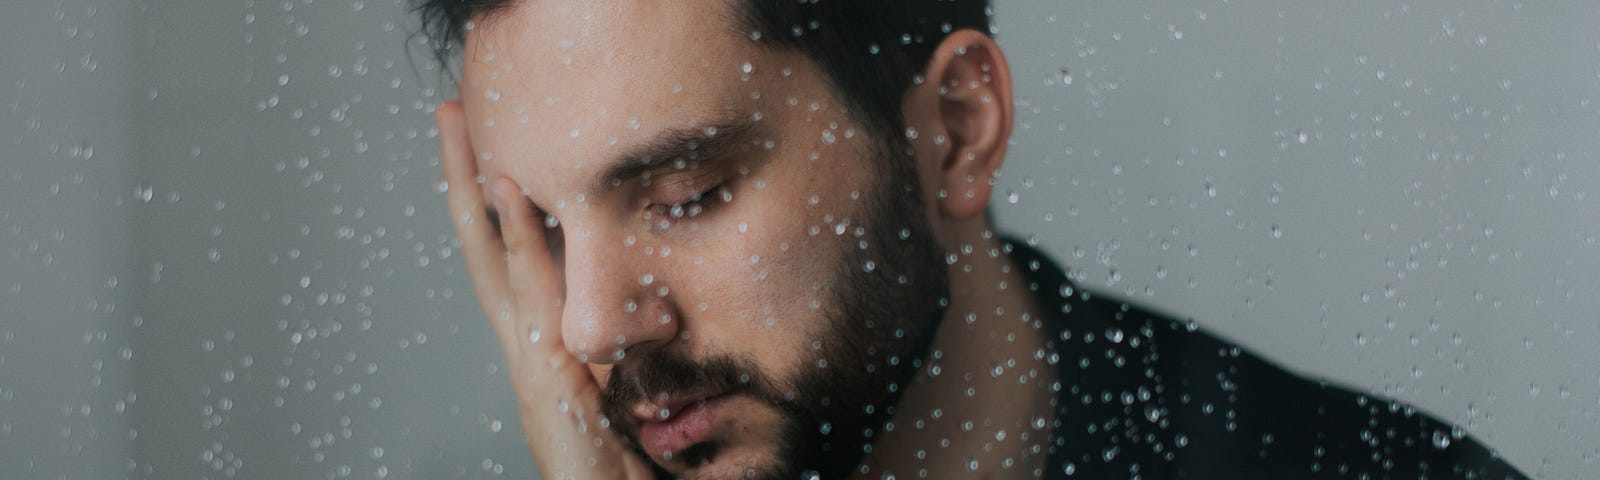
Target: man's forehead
577 83
553 46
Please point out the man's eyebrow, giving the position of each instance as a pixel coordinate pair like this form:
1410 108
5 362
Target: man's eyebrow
671 145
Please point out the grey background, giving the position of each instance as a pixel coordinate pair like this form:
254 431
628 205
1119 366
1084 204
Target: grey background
222 253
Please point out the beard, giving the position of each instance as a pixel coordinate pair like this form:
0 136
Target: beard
889 291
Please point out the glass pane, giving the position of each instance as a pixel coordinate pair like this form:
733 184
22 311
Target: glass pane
1251 237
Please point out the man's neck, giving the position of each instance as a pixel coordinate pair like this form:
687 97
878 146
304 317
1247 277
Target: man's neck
981 404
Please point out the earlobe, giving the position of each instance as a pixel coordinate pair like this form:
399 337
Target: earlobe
972 82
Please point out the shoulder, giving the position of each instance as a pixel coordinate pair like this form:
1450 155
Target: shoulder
1146 393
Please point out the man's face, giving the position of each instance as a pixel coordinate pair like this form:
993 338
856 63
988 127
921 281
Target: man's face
748 281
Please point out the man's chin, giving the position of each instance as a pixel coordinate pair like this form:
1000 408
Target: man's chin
729 462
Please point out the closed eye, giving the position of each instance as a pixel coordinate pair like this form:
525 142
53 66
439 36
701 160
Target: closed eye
688 208
663 215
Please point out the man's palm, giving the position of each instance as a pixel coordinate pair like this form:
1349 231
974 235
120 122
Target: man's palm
519 289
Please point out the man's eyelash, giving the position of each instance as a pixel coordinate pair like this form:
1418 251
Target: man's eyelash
690 208
695 205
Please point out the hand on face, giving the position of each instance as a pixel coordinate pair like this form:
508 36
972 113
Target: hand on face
519 290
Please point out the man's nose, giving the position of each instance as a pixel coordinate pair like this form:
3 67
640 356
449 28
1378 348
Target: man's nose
616 306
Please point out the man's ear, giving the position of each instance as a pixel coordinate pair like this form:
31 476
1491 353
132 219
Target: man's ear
960 120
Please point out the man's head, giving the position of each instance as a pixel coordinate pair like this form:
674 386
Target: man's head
752 202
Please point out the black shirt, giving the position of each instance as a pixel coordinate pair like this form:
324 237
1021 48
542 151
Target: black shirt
1148 396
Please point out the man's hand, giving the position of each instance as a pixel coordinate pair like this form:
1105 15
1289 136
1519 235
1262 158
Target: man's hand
518 287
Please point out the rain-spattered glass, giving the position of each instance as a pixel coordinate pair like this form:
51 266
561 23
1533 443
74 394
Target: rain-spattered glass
225 248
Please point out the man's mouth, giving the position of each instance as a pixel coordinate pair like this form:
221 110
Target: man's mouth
669 428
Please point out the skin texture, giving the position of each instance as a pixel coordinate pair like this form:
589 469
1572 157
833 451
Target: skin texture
584 274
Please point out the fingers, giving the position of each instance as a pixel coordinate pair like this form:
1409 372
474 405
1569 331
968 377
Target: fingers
480 244
533 279
518 287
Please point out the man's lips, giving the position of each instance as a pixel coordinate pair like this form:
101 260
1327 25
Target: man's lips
661 412
687 421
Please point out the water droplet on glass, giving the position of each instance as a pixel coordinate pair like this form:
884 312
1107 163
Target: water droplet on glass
1152 413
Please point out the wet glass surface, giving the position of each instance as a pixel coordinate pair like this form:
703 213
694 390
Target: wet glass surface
225 251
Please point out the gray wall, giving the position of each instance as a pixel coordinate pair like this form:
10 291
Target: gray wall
254 263
68 271
1399 197
310 322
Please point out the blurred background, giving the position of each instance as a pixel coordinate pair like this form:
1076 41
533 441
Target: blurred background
223 254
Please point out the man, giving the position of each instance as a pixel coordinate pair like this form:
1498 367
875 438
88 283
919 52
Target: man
748 239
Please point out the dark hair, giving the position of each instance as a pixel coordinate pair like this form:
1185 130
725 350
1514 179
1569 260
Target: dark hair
871 50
